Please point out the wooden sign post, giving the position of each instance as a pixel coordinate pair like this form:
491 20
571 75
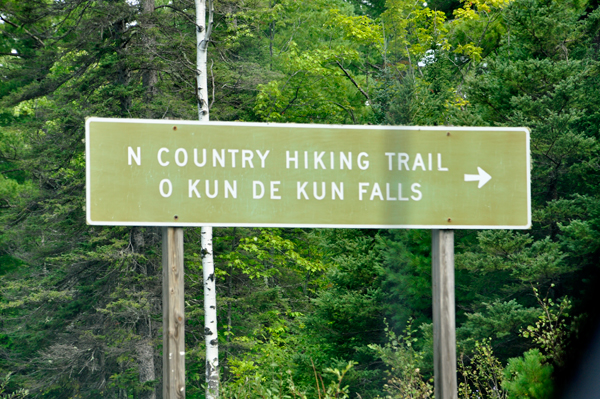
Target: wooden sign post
444 331
173 314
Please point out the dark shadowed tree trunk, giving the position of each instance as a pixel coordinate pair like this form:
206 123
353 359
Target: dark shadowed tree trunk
144 348
149 75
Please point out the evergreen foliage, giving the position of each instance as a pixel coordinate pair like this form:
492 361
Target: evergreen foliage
302 312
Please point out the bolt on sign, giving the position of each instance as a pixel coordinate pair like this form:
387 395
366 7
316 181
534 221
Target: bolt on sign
184 173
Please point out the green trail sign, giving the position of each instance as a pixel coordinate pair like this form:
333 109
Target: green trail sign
183 173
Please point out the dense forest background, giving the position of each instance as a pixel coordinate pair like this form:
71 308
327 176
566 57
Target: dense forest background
80 306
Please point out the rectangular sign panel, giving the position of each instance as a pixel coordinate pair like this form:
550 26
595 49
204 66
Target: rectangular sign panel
182 173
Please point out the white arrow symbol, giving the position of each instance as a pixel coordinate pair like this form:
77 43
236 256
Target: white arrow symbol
482 177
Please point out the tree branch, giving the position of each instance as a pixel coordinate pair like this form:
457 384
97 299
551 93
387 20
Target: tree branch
364 93
212 77
209 25
15 55
348 110
292 101
25 30
185 14
11 170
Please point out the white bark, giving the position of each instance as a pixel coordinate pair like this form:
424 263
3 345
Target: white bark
210 316
203 31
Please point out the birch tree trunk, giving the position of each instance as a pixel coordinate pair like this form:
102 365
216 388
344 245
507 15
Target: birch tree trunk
203 31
